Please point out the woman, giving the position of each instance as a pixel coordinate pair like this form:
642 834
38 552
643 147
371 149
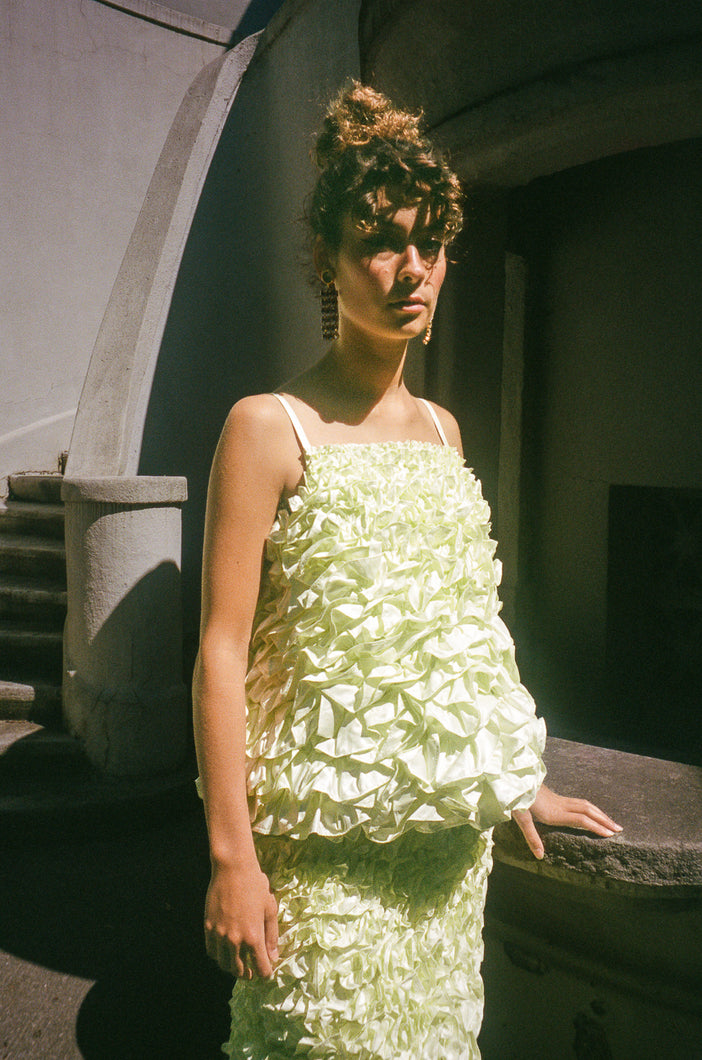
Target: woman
387 728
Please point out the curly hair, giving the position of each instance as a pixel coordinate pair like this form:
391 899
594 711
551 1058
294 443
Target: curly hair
374 159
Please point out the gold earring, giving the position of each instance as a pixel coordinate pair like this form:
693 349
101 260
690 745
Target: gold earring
330 307
427 333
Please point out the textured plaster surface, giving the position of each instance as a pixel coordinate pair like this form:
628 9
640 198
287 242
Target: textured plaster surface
107 433
243 316
215 20
487 50
123 692
600 108
527 87
87 94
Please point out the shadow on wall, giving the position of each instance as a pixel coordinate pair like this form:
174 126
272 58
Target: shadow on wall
123 688
610 609
210 355
257 15
243 318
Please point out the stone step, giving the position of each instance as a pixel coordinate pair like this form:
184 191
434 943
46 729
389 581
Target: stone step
30 651
26 602
30 701
29 518
35 556
31 755
42 486
49 789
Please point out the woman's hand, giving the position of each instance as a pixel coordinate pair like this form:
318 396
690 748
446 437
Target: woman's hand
550 808
241 922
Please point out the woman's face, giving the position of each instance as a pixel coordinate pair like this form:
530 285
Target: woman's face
389 279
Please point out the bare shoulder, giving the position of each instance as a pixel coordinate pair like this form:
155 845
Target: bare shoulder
249 475
450 425
260 425
256 417
257 436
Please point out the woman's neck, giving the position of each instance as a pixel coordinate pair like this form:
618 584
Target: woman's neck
356 381
364 366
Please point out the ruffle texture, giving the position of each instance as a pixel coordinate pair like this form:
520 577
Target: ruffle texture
380 950
383 692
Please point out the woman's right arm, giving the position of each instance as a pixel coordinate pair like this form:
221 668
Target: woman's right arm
249 473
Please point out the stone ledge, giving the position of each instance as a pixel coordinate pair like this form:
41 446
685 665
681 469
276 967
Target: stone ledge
43 486
164 15
659 805
126 489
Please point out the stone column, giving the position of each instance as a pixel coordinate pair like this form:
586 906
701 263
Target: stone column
123 689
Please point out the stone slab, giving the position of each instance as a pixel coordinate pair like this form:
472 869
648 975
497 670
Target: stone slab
126 489
657 802
44 486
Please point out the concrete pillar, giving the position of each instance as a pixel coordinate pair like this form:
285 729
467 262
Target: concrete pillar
123 688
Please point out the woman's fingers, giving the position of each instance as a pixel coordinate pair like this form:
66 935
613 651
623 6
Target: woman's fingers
239 958
224 954
563 811
260 962
233 960
526 823
257 956
270 926
241 923
579 813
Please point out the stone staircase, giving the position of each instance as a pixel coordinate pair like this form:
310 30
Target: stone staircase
46 780
32 599
42 768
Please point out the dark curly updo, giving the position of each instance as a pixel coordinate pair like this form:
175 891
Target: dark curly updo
373 160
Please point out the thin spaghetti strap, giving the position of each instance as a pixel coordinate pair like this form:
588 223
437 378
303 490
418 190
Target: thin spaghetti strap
296 425
437 422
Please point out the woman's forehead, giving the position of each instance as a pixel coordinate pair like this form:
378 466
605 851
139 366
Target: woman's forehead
410 217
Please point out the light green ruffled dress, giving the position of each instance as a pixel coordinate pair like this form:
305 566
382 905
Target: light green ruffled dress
388 732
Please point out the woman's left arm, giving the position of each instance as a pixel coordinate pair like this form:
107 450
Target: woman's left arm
550 808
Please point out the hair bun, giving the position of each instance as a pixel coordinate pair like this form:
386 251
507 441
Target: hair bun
359 115
371 156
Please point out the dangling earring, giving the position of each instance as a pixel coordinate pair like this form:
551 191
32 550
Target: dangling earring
330 307
427 333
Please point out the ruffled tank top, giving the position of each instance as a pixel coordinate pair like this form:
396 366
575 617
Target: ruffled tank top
382 691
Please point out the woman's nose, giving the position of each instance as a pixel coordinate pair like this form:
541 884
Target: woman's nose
413 266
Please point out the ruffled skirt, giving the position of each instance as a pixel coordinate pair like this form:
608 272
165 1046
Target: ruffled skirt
380 947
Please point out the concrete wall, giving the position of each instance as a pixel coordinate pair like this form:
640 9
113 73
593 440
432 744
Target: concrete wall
87 96
243 16
243 316
614 370
217 21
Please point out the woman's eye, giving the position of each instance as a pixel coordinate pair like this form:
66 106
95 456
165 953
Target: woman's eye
376 243
379 243
429 248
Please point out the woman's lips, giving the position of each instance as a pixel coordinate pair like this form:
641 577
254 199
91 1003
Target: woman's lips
409 305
